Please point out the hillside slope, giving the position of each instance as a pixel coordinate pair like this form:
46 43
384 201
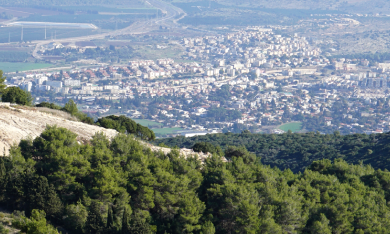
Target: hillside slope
298 151
121 187
21 122
17 123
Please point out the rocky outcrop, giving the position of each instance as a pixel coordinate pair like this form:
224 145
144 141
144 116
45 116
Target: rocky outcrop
21 122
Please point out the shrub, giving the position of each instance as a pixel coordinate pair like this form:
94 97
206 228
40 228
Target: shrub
16 95
48 105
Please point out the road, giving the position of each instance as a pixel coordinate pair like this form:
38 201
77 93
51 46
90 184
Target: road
139 27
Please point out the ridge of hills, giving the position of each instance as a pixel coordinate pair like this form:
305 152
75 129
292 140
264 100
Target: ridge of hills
297 151
352 6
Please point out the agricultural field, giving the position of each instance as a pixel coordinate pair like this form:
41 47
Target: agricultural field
13 56
222 13
21 12
51 25
101 21
166 131
54 4
75 20
148 123
153 53
13 67
103 9
293 126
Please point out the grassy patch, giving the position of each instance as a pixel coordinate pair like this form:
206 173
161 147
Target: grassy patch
293 126
147 123
146 52
13 67
166 131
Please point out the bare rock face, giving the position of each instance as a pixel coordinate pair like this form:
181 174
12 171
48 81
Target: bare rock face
183 152
17 123
20 122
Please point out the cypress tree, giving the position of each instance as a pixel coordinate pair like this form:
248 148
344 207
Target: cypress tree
125 222
2 168
2 80
110 220
3 181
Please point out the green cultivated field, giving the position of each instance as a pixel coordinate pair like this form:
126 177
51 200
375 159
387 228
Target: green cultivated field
293 126
146 52
166 131
157 131
13 67
145 122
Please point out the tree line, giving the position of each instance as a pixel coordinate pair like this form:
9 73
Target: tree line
121 123
297 151
121 186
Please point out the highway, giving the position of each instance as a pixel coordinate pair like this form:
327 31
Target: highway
139 27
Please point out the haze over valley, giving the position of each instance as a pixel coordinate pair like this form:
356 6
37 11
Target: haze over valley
194 116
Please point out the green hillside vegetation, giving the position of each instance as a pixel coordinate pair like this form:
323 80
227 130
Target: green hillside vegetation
121 123
298 151
121 186
16 95
124 124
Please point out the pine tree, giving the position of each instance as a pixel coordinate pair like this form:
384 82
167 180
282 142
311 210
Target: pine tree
71 107
321 226
208 228
139 223
75 217
95 223
16 95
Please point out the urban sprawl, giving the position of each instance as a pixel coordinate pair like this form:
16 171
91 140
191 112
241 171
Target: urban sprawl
251 80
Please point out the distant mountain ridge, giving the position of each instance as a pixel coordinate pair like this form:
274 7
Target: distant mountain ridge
352 6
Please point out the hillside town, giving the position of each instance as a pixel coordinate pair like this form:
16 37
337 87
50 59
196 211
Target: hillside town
267 79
